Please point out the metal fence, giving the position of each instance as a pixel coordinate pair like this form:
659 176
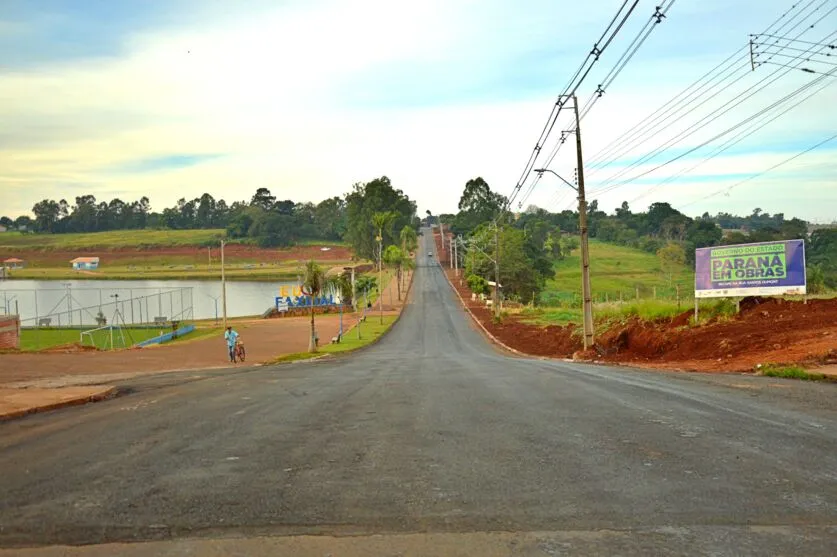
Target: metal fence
86 307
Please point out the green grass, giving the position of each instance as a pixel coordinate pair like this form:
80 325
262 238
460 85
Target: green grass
606 313
39 339
790 372
163 268
614 271
112 239
370 331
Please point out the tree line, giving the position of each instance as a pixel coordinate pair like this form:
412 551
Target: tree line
531 241
264 219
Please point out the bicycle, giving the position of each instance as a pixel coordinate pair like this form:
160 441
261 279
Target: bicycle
239 352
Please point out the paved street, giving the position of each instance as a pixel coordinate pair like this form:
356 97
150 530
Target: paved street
434 431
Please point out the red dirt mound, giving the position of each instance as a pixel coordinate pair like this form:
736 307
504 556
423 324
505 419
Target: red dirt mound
766 330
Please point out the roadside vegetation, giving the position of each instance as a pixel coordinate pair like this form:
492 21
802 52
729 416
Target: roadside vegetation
371 331
791 372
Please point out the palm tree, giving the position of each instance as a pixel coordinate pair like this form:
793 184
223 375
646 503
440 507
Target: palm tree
314 285
381 221
409 240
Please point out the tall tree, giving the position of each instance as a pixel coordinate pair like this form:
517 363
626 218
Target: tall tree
46 213
262 198
370 198
314 284
409 240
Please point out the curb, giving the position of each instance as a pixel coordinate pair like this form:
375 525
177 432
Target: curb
102 395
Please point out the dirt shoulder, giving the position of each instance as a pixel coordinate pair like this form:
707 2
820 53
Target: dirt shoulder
264 340
765 331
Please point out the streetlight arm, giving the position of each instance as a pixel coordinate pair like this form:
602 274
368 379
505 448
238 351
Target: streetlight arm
542 170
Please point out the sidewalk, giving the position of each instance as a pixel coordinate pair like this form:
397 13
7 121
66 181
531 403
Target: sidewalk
19 402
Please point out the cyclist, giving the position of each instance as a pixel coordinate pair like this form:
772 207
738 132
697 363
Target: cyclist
231 338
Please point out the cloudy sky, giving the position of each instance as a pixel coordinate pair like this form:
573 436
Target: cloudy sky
172 98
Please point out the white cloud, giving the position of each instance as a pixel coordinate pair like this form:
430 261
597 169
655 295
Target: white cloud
266 92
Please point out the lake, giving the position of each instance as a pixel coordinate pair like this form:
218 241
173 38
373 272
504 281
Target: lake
77 302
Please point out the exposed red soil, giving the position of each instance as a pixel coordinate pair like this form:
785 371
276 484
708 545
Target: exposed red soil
765 331
232 253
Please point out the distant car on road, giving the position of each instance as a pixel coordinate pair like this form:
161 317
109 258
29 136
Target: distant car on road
429 254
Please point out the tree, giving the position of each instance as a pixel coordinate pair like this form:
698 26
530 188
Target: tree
270 229
397 259
6 222
672 256
205 216
46 213
409 240
314 284
330 218
367 199
365 284
23 222
262 198
478 204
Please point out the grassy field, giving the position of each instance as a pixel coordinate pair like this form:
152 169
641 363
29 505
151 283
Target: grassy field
153 270
113 239
614 271
159 255
370 331
39 339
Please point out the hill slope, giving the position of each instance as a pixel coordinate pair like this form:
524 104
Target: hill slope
613 270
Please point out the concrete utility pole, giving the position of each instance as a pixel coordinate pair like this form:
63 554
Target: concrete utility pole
586 291
456 256
223 287
585 253
381 277
451 252
496 302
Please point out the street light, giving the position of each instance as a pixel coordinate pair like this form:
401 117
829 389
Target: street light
542 170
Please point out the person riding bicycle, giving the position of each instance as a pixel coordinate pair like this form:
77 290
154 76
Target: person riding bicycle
231 338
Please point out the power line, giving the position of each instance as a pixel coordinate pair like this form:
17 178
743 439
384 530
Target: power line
579 77
721 73
656 18
762 173
725 132
697 126
734 140
806 70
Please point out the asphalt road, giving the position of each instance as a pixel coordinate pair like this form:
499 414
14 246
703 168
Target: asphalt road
434 431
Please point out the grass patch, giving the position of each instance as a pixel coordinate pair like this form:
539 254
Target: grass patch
790 372
615 270
32 340
113 239
370 331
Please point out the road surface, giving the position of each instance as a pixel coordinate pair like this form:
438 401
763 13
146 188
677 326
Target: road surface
432 431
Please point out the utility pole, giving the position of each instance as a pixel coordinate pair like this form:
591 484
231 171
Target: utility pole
223 287
585 253
451 253
380 277
456 256
496 302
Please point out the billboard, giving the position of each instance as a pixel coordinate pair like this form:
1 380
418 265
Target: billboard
764 269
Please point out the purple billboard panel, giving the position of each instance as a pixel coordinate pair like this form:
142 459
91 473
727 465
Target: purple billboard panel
764 269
